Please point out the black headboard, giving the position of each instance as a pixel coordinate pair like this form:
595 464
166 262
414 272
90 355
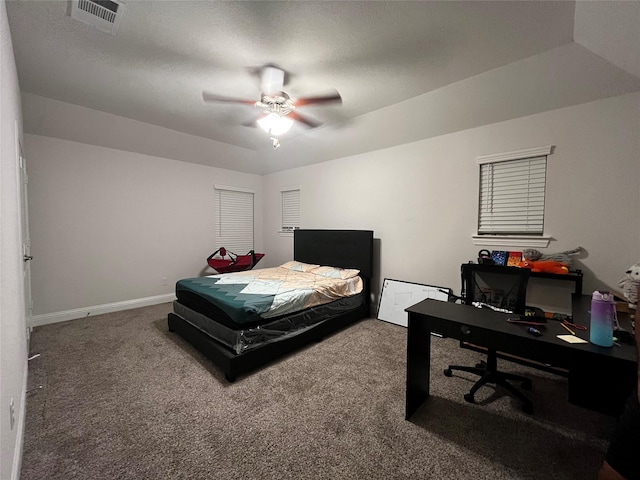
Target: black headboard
337 248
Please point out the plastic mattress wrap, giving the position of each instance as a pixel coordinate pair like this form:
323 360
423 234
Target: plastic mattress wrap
272 330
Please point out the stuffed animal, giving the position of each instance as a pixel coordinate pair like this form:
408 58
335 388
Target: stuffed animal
546 266
630 283
562 257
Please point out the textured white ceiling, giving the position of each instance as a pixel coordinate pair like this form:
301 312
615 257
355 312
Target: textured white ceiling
375 53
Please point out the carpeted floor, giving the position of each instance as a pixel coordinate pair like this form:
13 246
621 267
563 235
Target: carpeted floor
123 398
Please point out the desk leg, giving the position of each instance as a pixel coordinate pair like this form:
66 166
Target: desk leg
418 363
600 383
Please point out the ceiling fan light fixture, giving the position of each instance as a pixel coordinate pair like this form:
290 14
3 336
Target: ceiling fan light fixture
274 124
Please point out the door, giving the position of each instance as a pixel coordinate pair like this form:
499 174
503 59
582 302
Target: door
26 240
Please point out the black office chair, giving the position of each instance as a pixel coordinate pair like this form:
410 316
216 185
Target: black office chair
505 288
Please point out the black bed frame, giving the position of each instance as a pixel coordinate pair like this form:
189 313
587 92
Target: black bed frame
337 248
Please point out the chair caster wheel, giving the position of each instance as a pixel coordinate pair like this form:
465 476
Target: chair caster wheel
528 409
526 385
447 372
469 398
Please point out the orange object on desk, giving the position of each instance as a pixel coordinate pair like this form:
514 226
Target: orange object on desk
546 266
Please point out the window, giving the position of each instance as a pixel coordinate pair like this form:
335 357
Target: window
512 193
234 219
290 209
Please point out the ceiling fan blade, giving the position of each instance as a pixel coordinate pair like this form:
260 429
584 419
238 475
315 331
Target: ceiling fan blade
271 79
305 120
212 97
333 98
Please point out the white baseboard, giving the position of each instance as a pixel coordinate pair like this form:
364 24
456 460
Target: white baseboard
44 319
21 417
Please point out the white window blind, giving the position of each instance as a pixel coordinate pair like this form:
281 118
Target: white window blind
234 222
290 210
512 197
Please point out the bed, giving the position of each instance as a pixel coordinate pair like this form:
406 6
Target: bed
238 341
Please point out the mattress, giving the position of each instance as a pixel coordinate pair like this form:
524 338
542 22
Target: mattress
248 299
273 330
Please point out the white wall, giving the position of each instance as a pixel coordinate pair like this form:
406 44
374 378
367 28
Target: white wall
13 337
421 198
42 116
108 225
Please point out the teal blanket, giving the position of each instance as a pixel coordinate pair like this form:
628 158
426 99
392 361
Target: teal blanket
271 292
241 307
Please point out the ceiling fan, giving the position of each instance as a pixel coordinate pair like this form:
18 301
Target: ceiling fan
279 110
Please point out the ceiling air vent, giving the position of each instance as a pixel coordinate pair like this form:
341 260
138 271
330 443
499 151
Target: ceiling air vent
102 14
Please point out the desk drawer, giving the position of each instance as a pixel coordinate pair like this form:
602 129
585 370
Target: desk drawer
520 345
459 331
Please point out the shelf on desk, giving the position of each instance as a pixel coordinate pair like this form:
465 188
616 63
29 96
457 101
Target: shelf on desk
573 276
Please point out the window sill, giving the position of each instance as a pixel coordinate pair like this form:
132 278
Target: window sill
511 241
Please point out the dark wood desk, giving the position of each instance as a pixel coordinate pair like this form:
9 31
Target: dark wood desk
599 378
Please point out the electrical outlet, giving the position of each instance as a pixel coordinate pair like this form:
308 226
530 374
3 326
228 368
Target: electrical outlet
164 281
12 413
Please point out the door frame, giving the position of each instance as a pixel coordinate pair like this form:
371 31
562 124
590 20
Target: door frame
25 238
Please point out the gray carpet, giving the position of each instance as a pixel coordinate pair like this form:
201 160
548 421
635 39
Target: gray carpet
123 398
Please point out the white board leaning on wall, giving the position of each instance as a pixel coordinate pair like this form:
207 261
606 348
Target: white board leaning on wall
398 295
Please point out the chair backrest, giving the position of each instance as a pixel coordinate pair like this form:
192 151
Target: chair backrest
502 287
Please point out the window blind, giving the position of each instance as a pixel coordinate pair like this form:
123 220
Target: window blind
290 210
512 196
235 220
